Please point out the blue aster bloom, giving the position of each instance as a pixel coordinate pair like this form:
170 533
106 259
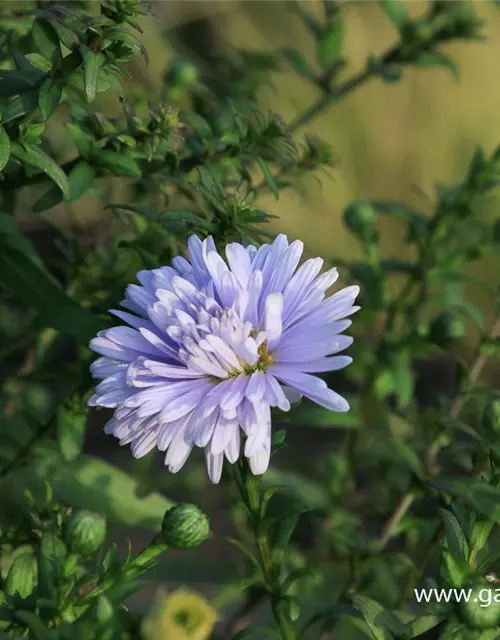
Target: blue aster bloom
213 344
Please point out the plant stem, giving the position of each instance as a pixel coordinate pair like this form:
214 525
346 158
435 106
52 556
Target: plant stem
408 498
328 98
249 489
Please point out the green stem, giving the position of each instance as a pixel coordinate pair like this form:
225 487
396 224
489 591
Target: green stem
329 98
249 489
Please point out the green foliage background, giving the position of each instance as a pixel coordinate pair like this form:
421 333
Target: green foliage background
402 491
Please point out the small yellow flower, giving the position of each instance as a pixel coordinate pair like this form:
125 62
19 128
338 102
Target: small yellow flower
180 615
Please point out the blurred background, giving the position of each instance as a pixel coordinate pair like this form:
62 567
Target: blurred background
392 142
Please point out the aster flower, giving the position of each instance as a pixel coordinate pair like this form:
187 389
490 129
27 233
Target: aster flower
212 345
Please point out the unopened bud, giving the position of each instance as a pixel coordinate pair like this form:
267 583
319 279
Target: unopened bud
481 610
85 532
184 526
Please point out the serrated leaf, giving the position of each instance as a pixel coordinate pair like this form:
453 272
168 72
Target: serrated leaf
4 148
50 97
46 39
119 163
35 157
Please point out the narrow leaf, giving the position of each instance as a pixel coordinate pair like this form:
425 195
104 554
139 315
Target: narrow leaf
49 97
35 157
4 148
91 68
268 177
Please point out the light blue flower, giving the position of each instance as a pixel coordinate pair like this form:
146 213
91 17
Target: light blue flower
213 345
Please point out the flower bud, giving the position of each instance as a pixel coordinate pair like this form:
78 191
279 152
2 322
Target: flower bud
482 608
491 417
22 578
359 217
85 532
184 526
446 329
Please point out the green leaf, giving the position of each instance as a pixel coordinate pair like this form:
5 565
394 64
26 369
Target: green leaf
402 374
35 157
396 11
51 555
454 569
268 177
422 625
119 163
180 215
91 67
329 44
21 579
27 278
36 626
456 540
483 497
49 97
46 39
39 62
21 105
380 621
299 63
480 533
4 148
80 179
82 140
431 59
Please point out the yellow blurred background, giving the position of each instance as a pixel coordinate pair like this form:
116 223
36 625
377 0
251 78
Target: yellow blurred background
393 141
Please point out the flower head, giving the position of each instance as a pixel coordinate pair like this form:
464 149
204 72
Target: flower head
212 345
